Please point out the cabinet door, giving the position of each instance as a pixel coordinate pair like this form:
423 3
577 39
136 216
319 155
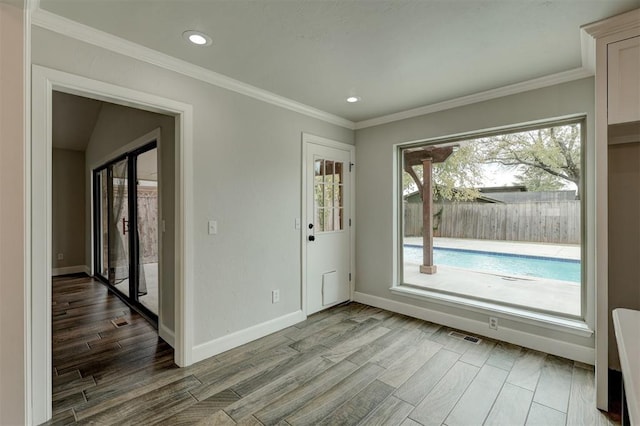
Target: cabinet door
624 81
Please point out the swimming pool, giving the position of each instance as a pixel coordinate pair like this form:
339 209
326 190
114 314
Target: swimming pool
501 263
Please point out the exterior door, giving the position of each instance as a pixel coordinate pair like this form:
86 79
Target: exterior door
327 226
126 227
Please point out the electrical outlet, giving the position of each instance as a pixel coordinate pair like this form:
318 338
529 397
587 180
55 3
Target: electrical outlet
275 296
60 256
493 323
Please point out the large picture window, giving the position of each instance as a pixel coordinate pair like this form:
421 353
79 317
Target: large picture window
496 217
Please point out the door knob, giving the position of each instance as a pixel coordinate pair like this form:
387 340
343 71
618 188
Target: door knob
312 238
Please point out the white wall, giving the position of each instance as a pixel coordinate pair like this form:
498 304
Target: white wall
13 338
247 166
374 242
68 209
116 127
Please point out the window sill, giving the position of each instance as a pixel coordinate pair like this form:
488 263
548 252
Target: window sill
571 326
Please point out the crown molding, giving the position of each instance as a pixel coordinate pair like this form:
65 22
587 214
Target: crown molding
604 28
81 32
588 48
615 24
538 83
84 33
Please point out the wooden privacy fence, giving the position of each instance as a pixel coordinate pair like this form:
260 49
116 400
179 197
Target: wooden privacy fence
147 223
557 222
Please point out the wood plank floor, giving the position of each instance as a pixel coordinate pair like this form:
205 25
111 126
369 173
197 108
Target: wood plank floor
352 364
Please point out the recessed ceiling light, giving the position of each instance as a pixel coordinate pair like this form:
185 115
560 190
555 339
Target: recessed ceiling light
197 38
353 99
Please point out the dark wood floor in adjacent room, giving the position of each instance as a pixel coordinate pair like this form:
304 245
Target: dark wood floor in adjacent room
352 364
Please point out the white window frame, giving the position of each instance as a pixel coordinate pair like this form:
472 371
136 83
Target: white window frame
583 326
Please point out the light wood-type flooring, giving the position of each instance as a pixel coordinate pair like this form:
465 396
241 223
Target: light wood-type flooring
351 364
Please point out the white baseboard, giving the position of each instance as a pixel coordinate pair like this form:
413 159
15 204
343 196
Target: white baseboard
70 270
222 344
521 338
167 335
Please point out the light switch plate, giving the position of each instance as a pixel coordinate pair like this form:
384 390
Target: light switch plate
213 227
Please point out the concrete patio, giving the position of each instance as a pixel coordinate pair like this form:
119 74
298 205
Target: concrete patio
561 297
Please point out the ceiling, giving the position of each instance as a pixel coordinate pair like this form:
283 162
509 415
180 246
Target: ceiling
394 54
73 119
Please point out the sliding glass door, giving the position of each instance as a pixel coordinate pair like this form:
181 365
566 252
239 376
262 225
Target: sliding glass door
126 227
146 226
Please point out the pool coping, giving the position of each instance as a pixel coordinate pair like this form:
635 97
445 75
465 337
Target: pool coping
496 253
564 251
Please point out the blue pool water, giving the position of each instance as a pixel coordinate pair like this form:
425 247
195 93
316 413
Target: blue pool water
501 263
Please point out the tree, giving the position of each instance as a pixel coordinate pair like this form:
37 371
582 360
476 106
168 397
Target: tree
457 178
542 159
535 179
550 156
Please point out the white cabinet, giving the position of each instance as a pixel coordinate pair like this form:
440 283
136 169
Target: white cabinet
616 56
623 81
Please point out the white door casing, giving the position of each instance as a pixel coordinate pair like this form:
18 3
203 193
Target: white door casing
327 229
44 81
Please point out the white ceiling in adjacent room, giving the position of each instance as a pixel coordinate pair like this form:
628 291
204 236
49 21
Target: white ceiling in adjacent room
74 118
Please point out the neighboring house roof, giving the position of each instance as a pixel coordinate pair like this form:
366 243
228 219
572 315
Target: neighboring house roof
534 196
414 197
514 188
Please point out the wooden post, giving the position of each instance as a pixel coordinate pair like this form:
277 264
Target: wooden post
427 266
426 156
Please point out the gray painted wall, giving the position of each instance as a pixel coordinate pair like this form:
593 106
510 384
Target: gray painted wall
374 196
116 127
624 234
247 176
13 210
68 208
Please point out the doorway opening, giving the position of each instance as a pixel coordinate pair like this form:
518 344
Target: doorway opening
177 165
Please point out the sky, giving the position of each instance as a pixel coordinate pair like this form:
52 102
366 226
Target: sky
498 175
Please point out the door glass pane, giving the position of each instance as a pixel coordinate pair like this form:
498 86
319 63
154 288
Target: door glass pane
147 208
339 191
328 219
328 195
319 195
328 171
318 168
119 228
319 220
329 200
337 173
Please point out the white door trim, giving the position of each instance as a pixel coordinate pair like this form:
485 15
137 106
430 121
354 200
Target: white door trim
318 140
44 81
